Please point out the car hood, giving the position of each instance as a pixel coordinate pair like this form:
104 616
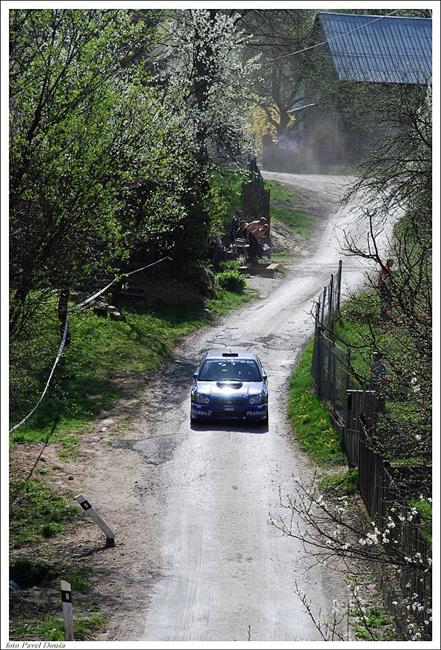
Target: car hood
233 388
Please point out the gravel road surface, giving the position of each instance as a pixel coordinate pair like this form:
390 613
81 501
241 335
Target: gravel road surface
226 573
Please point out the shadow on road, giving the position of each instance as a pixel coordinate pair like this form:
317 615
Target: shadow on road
228 426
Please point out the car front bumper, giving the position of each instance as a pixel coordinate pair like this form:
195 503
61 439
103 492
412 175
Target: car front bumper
229 411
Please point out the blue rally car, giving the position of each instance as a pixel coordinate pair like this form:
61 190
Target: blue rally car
230 384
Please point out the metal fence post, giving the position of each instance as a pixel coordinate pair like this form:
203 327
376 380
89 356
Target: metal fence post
330 298
334 376
323 306
319 362
316 350
339 287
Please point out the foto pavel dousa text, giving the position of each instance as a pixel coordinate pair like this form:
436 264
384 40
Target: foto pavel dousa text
35 645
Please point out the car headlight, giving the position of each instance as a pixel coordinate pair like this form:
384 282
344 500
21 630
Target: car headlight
259 399
200 398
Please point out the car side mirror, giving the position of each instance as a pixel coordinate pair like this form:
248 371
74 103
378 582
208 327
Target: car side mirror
264 377
195 375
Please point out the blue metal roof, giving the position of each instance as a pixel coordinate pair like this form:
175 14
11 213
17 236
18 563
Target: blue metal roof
394 49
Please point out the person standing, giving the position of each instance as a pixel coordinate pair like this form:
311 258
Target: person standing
256 232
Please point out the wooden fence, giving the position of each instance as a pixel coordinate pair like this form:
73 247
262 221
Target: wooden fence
385 502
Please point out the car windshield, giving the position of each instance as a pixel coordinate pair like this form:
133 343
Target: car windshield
230 370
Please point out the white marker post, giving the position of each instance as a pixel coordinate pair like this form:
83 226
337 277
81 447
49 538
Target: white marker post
66 599
90 510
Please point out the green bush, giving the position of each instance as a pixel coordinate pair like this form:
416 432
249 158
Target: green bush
232 281
230 265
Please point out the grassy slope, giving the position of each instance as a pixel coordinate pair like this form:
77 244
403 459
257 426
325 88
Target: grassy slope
285 202
100 348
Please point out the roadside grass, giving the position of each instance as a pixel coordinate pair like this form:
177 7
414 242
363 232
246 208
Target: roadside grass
51 628
231 265
284 257
298 221
286 206
342 483
310 418
38 512
29 571
79 576
85 384
283 192
36 607
372 624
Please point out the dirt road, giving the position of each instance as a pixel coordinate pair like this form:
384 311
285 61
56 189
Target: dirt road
205 562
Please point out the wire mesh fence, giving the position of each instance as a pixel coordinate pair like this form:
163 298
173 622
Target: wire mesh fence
328 311
331 373
330 362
